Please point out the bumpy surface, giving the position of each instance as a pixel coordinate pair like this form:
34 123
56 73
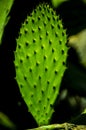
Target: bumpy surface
40 58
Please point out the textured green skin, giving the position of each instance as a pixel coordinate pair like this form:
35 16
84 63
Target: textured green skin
40 58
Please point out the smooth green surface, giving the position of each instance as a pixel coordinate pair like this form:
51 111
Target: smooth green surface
40 59
5 6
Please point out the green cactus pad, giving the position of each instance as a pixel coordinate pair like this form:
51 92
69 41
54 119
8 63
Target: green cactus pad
40 59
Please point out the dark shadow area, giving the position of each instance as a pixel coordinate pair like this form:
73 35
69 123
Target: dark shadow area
79 120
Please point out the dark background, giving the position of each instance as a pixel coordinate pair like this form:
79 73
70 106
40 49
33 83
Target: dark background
73 15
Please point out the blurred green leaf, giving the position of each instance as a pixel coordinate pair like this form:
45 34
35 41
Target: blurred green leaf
6 122
5 6
84 1
56 3
78 42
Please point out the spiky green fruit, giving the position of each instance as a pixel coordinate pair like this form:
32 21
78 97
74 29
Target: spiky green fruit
40 58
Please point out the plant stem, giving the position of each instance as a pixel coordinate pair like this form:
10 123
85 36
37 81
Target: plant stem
64 126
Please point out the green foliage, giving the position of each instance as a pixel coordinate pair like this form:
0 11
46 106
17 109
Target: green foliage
40 59
6 122
78 42
56 3
5 6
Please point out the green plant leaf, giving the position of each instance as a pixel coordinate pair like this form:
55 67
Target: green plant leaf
56 3
40 61
5 6
78 42
6 122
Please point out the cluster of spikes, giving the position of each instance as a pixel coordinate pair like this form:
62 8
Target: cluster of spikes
40 61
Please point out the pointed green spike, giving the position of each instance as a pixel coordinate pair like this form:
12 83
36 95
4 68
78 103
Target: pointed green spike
40 59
